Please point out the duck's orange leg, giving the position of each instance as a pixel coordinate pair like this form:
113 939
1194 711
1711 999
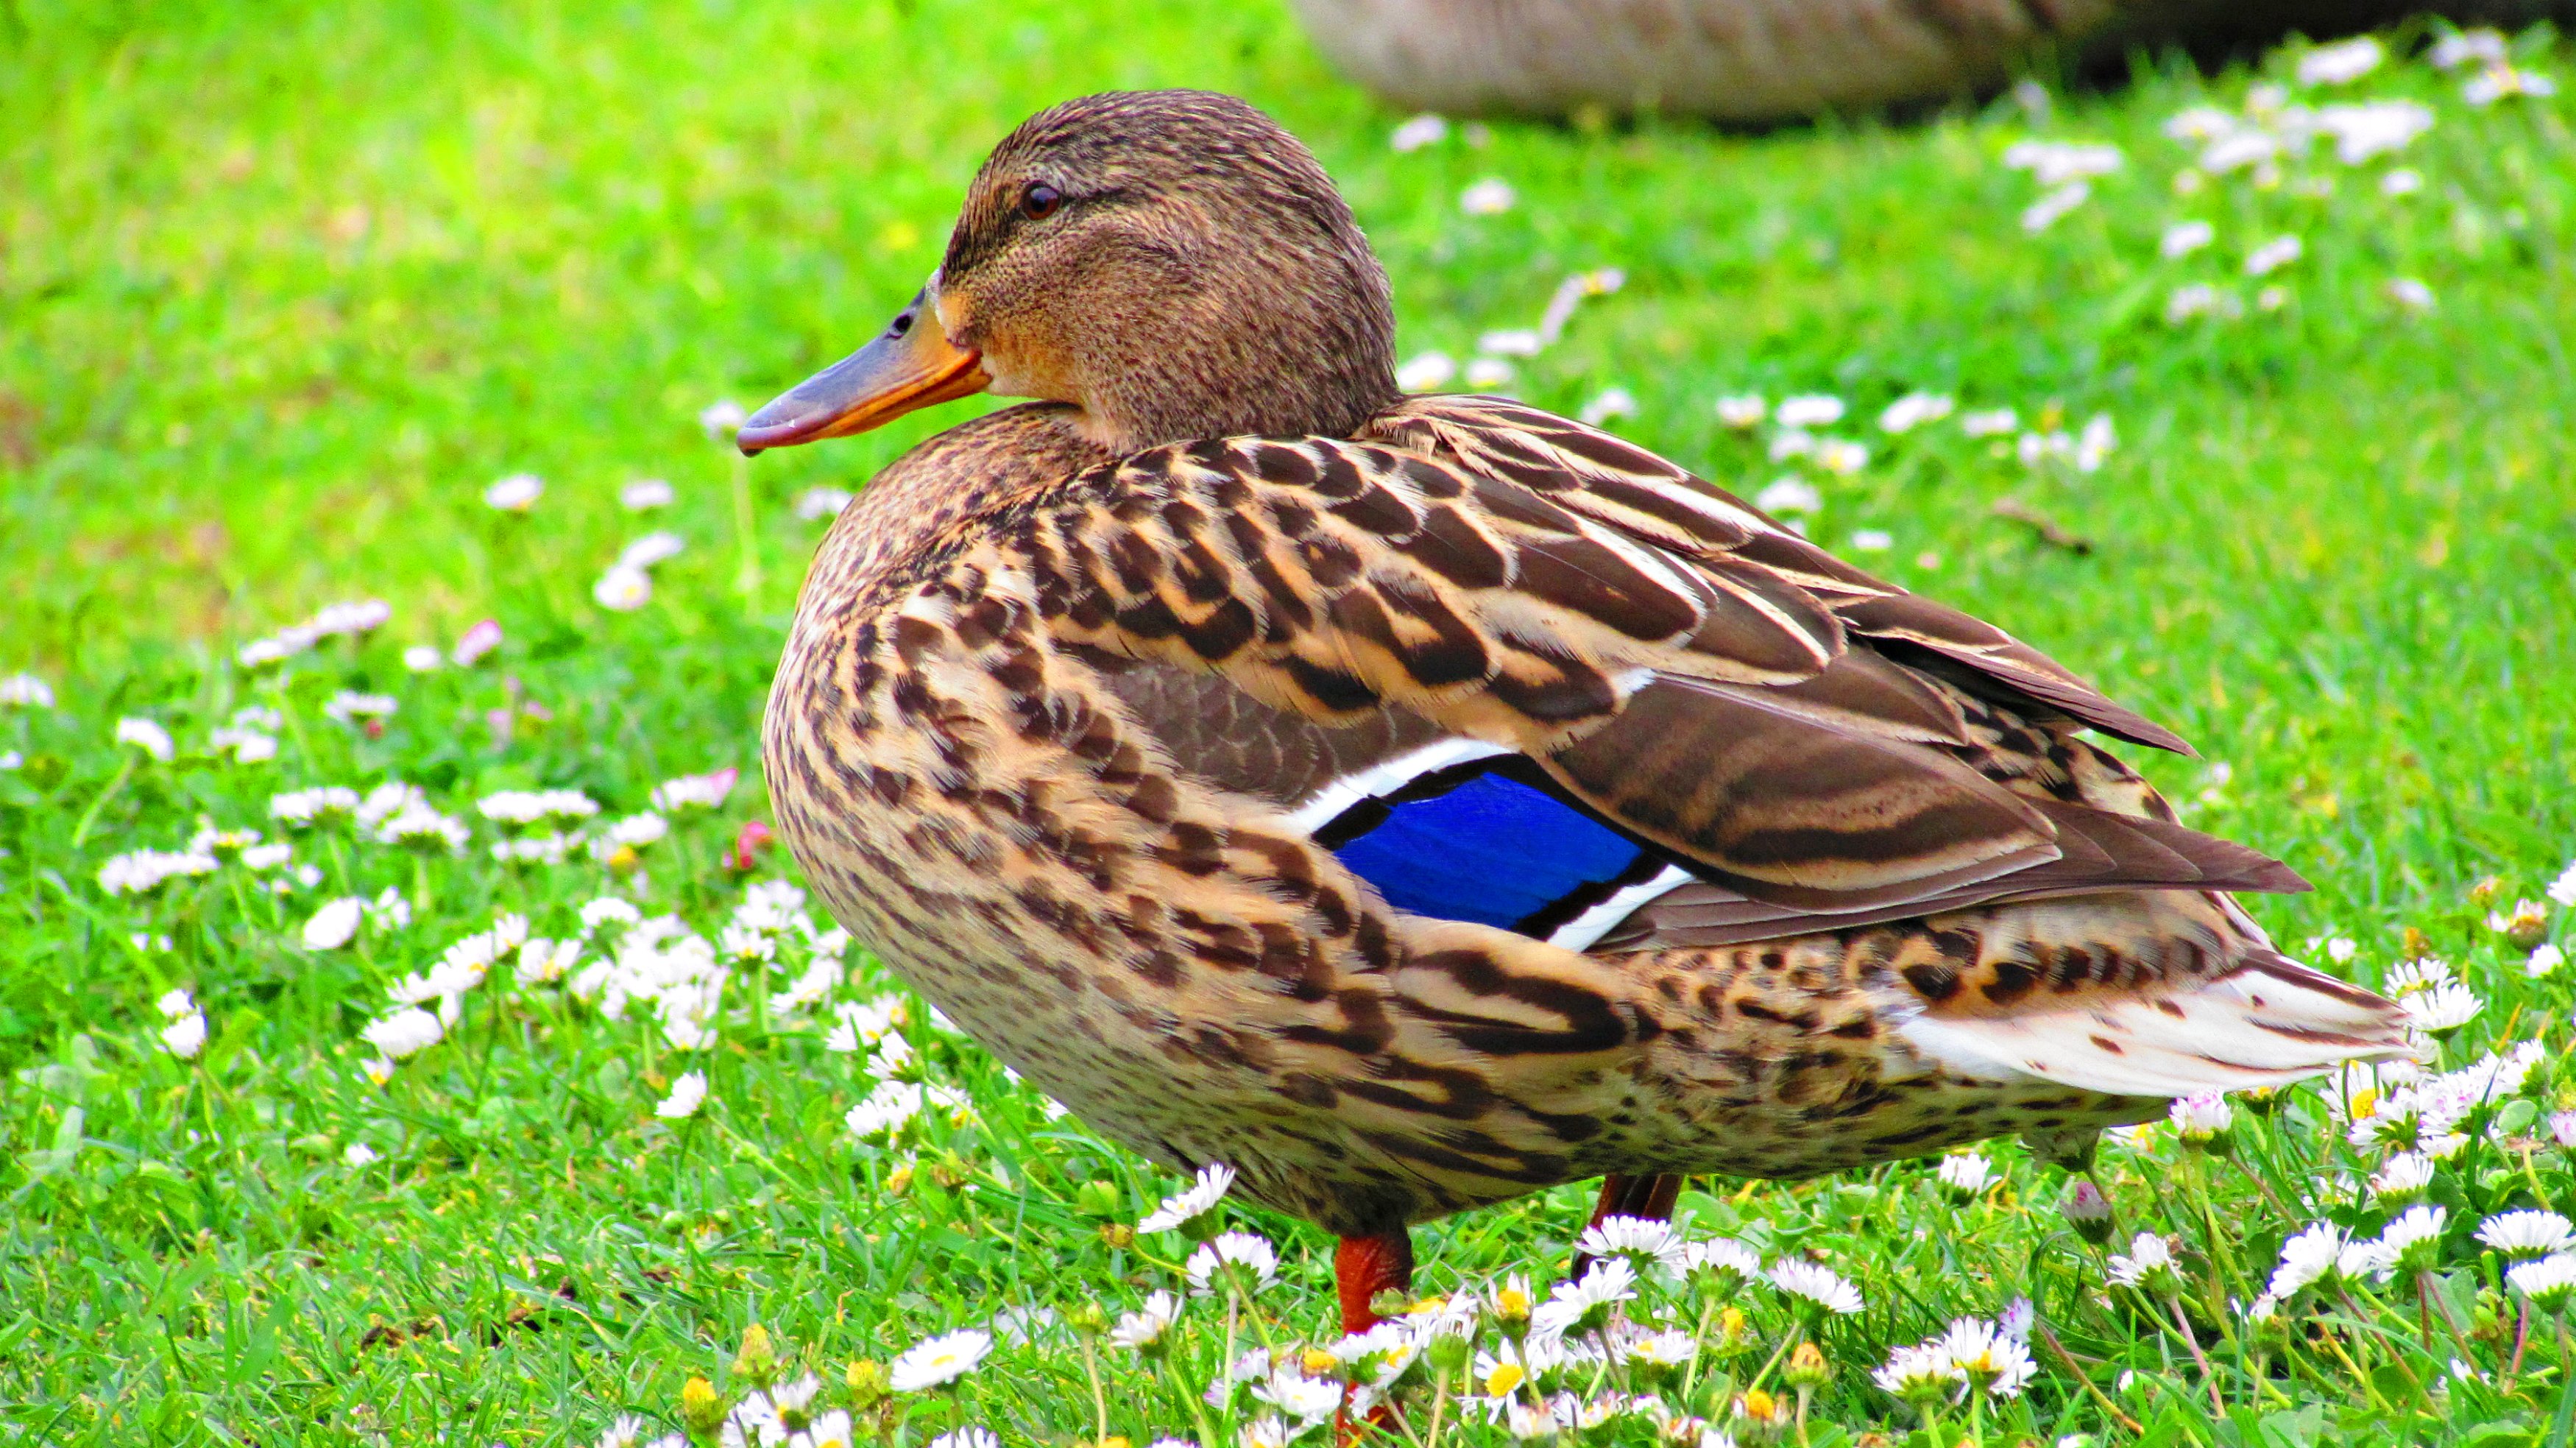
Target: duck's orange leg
1363 1267
1650 1197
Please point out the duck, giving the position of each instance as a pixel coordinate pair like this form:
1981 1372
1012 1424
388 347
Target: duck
1415 802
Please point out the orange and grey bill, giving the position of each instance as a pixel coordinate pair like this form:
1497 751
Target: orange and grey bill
912 365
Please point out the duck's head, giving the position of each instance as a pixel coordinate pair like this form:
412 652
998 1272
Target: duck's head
1170 263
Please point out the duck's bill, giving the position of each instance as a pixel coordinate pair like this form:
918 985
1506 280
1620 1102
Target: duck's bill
911 366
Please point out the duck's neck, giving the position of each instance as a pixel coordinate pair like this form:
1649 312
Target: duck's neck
1308 349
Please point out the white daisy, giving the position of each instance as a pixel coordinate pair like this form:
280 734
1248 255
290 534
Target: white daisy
2548 1283
1579 1308
1192 1202
405 1033
1816 1283
2407 1243
2441 1009
688 1092
1920 1374
2402 1179
1642 1241
1247 1261
335 924
1966 1175
1423 130
1742 411
2341 63
516 493
1913 410
25 691
1991 1360
2148 1264
185 1037
938 1361
147 736
1808 410
1144 1328
2523 1235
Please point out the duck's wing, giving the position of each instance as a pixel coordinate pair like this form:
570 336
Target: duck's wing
1572 711
1601 477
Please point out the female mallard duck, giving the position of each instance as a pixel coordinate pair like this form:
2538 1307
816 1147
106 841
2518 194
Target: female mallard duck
1418 802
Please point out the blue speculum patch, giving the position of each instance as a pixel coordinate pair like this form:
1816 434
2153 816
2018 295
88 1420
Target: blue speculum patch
1492 850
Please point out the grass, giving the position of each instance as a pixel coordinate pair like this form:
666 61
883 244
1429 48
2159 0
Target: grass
286 286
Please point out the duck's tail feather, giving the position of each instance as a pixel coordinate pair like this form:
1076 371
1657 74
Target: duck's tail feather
2266 1021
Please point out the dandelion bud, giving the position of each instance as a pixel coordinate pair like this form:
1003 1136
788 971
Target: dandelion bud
899 1180
2088 1212
758 1360
1117 1235
866 1380
1760 1417
1734 1329
2483 893
948 1173
1087 1319
2527 926
1807 1367
2490 1319
702 1410
2418 945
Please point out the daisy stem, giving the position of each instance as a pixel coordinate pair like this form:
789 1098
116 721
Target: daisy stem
1690 1375
1439 1407
89 817
2048 1335
2521 1340
1198 1408
1796 1336
2220 1259
1233 1310
2359 1318
1977 1417
2427 1292
2567 1384
2369 1389
1099 1399
2208 1374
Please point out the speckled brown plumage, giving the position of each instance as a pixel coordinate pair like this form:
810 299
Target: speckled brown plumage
1071 687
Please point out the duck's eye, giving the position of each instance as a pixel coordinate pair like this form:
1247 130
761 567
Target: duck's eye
1038 200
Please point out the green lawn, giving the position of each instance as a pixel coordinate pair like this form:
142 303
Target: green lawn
284 288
